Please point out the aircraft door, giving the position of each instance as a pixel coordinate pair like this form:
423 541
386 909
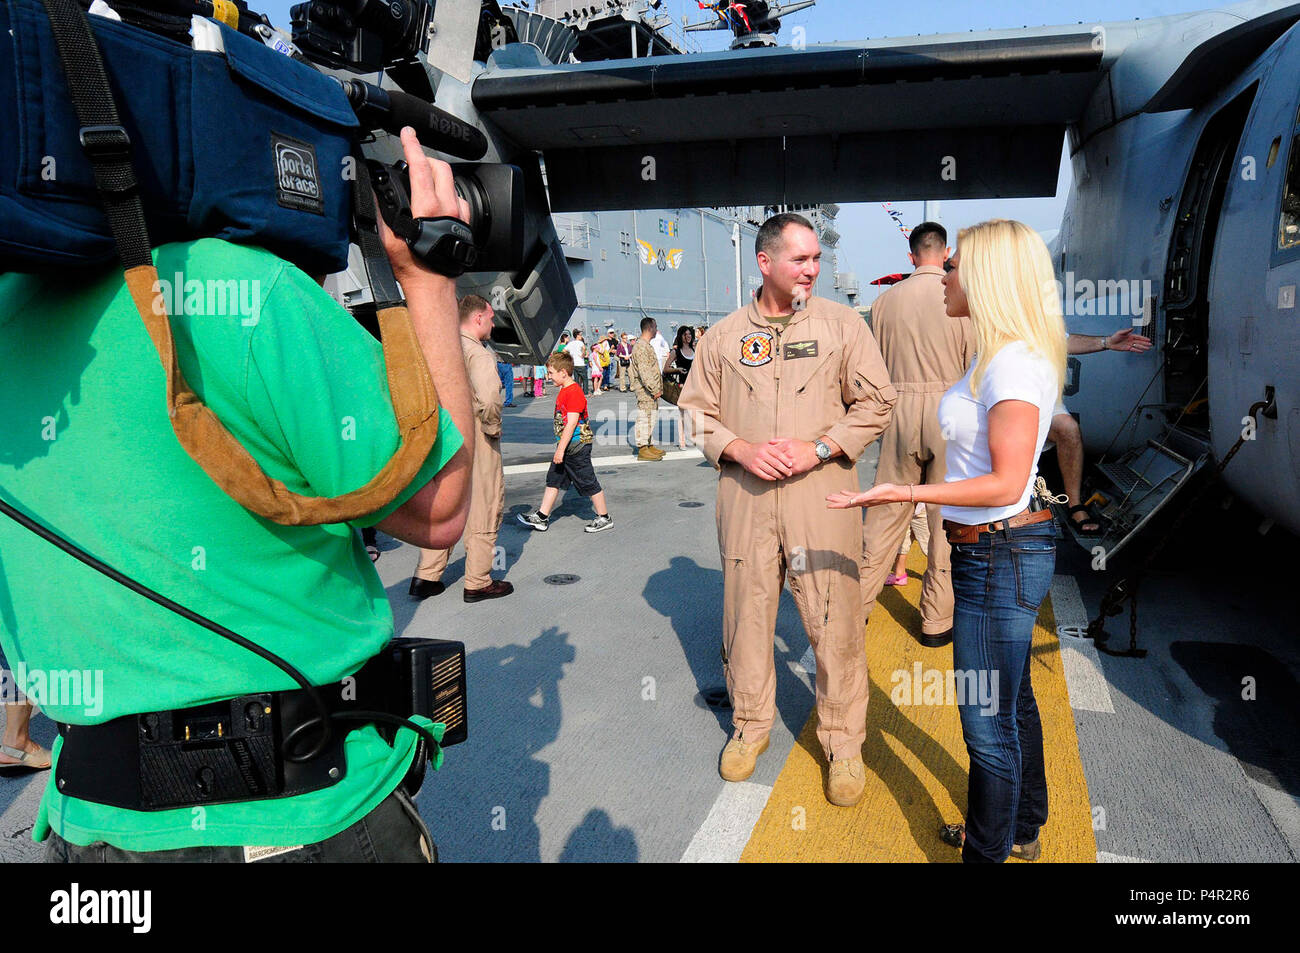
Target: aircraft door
1188 267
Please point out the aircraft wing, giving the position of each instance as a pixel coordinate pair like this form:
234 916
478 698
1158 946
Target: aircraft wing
933 118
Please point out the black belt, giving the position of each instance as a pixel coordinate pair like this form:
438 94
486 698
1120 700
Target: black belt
210 754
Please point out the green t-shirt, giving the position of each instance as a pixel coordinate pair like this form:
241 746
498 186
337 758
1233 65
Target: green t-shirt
88 450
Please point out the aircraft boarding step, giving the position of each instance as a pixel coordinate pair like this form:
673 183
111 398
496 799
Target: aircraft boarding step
1129 491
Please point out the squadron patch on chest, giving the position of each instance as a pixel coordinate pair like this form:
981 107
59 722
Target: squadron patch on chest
794 349
756 349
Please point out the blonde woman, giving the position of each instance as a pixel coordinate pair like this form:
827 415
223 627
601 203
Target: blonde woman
1003 553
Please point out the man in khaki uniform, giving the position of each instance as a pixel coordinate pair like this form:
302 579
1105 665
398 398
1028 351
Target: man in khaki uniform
784 395
648 387
488 486
926 353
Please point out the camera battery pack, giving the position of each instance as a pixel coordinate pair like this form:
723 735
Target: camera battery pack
419 677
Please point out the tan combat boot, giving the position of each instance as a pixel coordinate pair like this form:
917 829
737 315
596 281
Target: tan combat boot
648 455
847 781
656 451
739 758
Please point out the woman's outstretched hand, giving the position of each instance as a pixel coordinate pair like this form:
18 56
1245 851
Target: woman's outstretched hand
880 493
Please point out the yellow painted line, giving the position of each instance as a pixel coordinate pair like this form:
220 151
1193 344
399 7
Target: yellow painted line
916 760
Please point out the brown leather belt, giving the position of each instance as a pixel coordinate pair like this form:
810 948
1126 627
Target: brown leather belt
961 533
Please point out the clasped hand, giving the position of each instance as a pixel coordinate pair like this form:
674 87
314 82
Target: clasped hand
777 459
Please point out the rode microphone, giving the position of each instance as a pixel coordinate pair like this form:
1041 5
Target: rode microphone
390 110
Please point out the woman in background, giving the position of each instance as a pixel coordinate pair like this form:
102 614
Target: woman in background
677 365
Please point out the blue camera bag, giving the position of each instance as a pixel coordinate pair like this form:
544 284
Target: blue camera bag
245 145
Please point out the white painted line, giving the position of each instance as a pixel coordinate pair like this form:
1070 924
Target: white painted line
619 461
1106 858
1083 673
1067 604
806 669
526 468
722 837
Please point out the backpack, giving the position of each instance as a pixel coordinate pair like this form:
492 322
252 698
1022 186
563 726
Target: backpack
243 144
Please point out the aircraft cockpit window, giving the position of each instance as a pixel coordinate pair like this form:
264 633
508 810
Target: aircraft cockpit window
1288 235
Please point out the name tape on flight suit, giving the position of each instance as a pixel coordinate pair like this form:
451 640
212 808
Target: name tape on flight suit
794 349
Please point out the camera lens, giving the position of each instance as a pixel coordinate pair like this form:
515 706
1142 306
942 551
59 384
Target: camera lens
471 190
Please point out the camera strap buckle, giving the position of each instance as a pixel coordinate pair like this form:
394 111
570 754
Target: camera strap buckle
105 143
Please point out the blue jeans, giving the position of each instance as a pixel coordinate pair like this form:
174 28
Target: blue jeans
507 374
998 584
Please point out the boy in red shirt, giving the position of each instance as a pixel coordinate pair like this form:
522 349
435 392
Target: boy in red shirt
571 464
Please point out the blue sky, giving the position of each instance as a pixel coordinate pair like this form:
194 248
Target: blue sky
872 245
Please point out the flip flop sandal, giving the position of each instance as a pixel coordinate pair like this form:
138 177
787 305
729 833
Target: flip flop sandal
954 835
1079 525
38 760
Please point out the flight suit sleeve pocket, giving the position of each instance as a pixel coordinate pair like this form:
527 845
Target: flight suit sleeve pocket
864 389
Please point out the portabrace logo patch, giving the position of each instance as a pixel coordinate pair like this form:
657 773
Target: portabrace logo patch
297 180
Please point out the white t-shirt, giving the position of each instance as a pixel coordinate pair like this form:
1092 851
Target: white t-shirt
661 348
578 351
1015 373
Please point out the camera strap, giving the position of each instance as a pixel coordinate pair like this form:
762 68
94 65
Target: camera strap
379 271
201 434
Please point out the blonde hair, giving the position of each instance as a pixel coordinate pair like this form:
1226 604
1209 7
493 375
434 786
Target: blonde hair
1006 272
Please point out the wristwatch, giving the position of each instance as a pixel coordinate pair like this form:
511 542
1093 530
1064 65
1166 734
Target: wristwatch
823 452
1105 343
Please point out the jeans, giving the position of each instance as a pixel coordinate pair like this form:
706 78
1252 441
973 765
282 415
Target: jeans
392 833
507 374
998 584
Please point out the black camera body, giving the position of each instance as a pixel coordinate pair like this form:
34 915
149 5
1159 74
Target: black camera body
364 36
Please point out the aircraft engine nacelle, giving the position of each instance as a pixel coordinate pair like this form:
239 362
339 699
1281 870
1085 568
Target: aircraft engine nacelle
535 300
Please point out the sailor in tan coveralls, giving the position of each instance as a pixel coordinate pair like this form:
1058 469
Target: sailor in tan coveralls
487 501
784 396
926 353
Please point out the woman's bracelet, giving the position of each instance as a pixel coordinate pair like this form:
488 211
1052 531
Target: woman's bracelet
911 493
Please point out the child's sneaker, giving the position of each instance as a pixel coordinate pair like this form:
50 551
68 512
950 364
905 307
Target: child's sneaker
534 520
599 523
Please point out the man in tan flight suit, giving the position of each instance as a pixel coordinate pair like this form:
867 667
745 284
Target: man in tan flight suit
488 486
784 395
926 353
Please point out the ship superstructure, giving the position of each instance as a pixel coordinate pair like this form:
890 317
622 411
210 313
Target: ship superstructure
677 265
